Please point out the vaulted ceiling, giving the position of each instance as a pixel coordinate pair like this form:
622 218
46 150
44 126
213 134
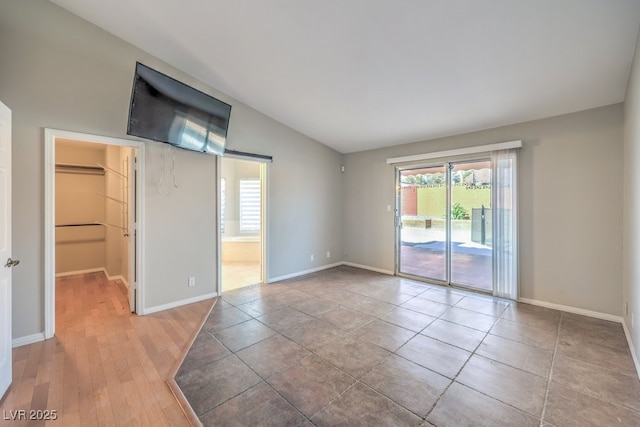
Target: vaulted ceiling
362 74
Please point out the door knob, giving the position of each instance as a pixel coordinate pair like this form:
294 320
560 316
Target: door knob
12 262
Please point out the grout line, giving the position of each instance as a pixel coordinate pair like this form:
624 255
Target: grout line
175 389
484 394
314 353
553 361
453 380
263 379
349 333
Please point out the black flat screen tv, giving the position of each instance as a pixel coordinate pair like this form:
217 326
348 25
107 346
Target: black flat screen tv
166 110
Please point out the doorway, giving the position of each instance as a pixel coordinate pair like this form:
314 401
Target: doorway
445 223
242 219
93 197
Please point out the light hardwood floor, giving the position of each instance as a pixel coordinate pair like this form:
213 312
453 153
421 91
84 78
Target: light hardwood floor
105 366
238 274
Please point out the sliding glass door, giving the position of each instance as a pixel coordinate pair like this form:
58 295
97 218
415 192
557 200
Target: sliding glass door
422 224
470 221
444 223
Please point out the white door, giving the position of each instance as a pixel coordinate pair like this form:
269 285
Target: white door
5 249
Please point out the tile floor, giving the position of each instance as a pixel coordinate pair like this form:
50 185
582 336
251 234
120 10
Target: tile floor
350 347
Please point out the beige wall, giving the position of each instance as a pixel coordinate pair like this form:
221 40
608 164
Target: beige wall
303 174
61 72
569 255
631 208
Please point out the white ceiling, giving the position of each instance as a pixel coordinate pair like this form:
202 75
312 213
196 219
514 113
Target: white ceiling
361 74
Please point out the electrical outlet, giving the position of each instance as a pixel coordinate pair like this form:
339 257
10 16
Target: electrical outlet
312 257
192 281
328 254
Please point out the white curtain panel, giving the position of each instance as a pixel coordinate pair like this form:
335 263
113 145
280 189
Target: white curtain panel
505 224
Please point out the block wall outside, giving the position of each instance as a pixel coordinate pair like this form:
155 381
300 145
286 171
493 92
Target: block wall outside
431 201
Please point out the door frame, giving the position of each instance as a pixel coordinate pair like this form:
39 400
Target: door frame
446 162
264 162
50 136
6 333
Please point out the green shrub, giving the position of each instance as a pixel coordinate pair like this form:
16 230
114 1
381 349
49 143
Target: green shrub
458 211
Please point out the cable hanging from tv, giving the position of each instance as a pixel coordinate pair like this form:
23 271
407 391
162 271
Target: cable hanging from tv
172 171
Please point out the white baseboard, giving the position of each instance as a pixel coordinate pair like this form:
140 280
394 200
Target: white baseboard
574 310
634 355
597 315
118 277
157 308
302 273
76 272
366 267
29 339
95 270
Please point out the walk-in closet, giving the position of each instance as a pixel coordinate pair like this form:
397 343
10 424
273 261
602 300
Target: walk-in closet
92 210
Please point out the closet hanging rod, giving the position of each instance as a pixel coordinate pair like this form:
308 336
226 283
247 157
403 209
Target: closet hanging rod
111 198
79 168
90 224
108 169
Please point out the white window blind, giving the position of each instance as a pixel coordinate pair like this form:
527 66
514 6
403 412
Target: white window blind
505 223
249 205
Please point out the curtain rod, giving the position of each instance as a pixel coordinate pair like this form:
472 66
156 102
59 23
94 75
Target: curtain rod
456 152
244 154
